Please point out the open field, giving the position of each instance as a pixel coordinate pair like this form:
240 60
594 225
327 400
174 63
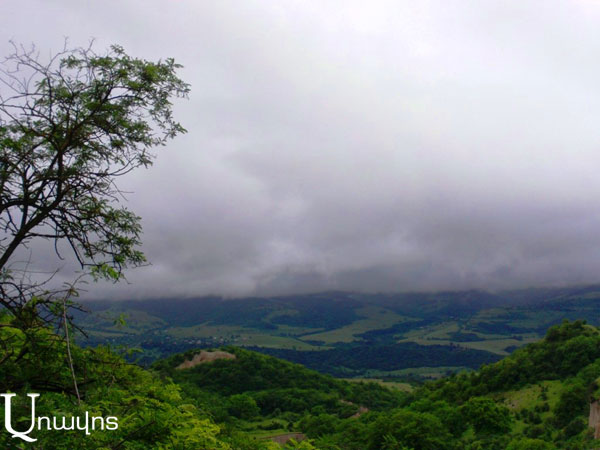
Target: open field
353 323
405 387
246 337
374 319
429 373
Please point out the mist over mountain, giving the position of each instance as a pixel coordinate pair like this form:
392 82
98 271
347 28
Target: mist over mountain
387 147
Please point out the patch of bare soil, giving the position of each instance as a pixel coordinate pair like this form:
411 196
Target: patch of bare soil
361 409
594 419
360 412
204 357
283 439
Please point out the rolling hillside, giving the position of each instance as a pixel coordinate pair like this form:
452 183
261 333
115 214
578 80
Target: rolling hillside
424 335
540 397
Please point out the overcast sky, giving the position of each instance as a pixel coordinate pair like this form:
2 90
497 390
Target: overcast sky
333 145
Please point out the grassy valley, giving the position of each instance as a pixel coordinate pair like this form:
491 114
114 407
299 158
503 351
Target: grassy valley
543 395
537 398
424 335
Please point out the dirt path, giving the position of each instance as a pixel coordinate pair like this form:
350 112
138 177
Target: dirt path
283 439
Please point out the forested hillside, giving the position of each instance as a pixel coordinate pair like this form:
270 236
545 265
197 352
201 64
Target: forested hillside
537 398
387 336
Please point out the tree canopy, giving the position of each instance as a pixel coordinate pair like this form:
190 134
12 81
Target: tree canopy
69 128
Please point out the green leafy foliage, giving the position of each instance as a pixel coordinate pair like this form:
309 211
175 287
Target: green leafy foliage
567 349
242 406
70 126
571 403
150 412
276 384
408 429
242 403
518 402
530 444
486 416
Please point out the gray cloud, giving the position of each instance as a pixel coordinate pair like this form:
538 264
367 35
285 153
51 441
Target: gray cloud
335 145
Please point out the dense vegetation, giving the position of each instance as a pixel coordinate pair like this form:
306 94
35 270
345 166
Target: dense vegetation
537 398
151 413
350 360
277 384
564 353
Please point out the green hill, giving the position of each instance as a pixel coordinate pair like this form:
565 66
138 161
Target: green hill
537 398
263 395
425 335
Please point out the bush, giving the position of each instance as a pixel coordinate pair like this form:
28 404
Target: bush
486 416
242 406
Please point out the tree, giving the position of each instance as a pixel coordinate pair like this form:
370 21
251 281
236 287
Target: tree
486 416
69 128
242 406
571 403
408 429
